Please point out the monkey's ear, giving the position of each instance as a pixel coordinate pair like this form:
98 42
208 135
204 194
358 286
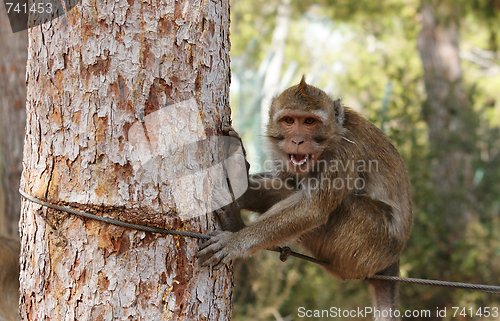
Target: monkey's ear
339 112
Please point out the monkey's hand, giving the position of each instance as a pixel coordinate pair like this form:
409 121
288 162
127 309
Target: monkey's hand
229 131
229 217
220 249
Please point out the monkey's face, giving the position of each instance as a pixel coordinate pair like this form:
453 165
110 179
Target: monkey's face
303 122
299 138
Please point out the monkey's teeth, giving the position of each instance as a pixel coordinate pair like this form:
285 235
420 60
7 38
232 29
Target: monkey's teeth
302 160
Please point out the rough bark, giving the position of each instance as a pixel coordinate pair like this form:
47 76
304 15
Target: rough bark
448 113
13 54
97 81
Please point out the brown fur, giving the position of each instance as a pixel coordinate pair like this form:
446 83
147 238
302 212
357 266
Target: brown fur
359 230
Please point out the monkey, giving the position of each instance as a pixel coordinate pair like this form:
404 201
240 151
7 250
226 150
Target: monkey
322 193
9 278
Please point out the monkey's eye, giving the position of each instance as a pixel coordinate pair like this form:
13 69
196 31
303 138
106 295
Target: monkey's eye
287 119
278 137
309 121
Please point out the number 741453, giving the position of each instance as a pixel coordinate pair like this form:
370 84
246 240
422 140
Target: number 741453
26 8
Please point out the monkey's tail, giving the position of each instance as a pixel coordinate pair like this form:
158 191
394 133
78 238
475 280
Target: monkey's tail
385 295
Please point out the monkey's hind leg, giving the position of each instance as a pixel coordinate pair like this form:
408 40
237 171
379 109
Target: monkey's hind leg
385 295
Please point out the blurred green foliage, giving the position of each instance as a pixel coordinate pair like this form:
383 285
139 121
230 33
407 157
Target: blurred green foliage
365 52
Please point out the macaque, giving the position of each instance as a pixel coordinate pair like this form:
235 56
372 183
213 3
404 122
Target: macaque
9 279
337 186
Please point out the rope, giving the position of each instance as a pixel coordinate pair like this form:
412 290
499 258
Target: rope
285 252
112 221
458 285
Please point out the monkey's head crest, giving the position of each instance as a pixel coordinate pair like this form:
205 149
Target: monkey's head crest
309 94
302 87
315 98
307 98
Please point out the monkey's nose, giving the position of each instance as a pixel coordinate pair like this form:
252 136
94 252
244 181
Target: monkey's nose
297 141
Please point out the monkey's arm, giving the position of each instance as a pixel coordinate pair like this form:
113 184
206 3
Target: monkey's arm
284 221
264 190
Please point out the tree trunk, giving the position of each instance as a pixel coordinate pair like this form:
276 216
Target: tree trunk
12 121
448 113
452 126
113 89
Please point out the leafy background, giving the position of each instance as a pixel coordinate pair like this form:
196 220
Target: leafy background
366 53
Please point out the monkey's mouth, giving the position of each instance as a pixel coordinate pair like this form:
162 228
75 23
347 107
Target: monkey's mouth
299 159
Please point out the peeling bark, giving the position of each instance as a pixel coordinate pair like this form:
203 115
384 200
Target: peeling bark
107 90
